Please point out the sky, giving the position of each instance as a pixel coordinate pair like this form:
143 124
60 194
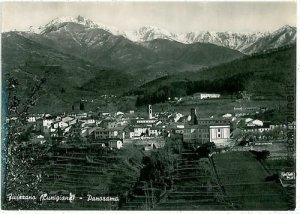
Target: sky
177 17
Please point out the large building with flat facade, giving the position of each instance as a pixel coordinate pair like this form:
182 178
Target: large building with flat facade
206 96
199 134
204 130
219 134
195 134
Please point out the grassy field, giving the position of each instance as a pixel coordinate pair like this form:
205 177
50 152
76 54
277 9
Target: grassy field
243 178
275 166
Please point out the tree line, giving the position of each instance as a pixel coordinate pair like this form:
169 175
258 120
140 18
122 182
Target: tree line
230 85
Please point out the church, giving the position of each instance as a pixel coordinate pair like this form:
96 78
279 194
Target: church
204 130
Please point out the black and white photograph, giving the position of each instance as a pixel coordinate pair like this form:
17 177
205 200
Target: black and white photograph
148 105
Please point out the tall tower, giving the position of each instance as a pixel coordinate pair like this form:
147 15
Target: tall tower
150 112
194 120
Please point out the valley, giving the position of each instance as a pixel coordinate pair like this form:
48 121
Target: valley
148 119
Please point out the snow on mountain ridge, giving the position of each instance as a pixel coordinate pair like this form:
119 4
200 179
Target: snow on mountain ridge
57 22
285 28
285 35
234 40
148 33
228 39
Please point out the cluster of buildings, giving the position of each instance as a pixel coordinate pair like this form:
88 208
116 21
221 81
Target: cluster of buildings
259 126
114 129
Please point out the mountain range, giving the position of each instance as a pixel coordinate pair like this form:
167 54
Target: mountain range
95 58
107 47
246 43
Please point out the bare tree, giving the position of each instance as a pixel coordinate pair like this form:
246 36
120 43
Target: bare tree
22 174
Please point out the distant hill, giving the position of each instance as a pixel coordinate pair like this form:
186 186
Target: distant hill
208 54
96 45
175 57
264 74
204 54
70 78
277 62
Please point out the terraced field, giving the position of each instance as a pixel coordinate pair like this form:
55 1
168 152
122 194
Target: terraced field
226 181
243 179
195 186
88 170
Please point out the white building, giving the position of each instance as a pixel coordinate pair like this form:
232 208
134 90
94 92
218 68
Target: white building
119 113
177 117
154 131
251 122
67 119
248 120
118 144
150 111
227 115
32 119
40 139
47 122
145 121
220 135
90 121
206 96
139 131
116 133
60 124
257 129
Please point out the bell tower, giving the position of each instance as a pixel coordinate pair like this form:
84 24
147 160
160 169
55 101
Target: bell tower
194 120
150 112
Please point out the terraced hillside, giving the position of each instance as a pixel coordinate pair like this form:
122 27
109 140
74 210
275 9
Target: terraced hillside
194 186
89 170
243 179
184 180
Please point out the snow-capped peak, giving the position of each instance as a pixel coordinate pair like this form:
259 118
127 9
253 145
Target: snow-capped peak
79 20
235 40
57 22
285 28
155 29
148 33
